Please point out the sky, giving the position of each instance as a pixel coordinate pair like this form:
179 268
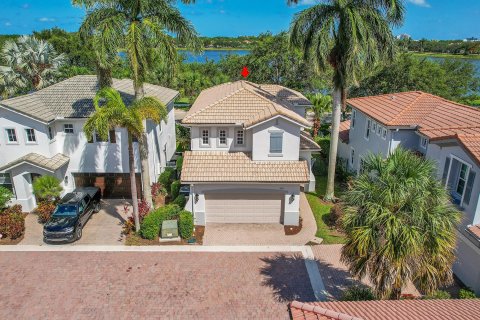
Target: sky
431 19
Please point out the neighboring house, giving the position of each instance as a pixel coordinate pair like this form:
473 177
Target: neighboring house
41 133
438 129
250 157
441 309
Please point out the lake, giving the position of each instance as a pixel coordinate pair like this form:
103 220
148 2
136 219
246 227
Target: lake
475 62
211 55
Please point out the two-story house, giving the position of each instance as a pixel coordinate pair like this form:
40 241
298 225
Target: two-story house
250 156
438 129
41 133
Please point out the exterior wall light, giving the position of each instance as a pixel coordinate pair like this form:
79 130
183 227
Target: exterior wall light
291 199
196 197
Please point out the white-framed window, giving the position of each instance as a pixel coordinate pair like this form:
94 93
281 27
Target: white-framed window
352 156
424 142
367 129
112 138
50 133
384 133
240 137
374 126
462 179
276 142
30 136
354 116
205 137
11 135
469 187
68 128
379 130
6 182
222 137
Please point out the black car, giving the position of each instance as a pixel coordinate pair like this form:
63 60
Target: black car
71 215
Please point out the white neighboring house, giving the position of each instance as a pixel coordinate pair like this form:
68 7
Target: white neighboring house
41 133
250 157
438 129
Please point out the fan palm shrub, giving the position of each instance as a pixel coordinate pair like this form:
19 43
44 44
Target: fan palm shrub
47 188
399 224
320 105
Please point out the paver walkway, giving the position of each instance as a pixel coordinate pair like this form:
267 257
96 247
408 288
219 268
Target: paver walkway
103 228
151 285
218 234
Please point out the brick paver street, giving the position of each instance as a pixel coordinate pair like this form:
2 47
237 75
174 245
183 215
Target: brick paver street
151 285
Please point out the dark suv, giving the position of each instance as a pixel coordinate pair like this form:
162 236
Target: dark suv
71 215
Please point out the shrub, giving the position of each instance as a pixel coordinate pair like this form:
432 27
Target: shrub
12 222
319 167
185 224
179 163
166 178
47 187
44 211
358 293
5 196
157 189
324 143
175 189
438 294
466 293
335 216
180 201
143 209
150 227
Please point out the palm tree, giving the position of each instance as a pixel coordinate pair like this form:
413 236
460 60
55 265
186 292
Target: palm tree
400 225
349 36
143 28
30 64
320 104
113 113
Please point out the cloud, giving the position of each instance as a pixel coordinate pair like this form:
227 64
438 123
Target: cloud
222 11
421 3
45 19
25 5
8 24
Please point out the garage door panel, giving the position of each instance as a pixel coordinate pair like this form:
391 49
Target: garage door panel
243 208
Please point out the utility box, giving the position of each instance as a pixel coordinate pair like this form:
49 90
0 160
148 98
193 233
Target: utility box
169 229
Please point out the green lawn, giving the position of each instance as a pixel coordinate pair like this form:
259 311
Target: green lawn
321 210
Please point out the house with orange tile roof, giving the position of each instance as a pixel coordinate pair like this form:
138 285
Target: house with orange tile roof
438 129
250 154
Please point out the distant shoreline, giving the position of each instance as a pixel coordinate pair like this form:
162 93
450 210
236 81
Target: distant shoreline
446 55
219 49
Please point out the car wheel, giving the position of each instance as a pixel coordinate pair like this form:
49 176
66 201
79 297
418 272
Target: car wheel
78 232
97 207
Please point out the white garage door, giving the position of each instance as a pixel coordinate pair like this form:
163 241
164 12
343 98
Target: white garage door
243 208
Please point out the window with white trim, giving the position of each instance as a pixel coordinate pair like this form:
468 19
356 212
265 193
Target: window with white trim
6 182
462 179
68 128
424 143
352 156
11 135
222 137
374 126
50 133
30 135
367 129
205 137
354 116
384 133
276 142
379 130
469 187
240 137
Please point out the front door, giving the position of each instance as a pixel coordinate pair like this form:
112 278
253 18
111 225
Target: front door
33 177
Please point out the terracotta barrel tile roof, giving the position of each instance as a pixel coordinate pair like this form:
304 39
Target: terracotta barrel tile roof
344 133
475 230
307 143
467 309
50 164
216 166
244 103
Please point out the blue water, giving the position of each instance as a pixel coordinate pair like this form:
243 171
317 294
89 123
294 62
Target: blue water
475 62
210 55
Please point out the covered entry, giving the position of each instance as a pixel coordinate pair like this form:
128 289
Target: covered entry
244 207
112 185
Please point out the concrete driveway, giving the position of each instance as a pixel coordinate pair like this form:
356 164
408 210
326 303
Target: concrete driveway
103 228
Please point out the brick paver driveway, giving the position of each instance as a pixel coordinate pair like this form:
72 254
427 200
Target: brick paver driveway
103 228
151 285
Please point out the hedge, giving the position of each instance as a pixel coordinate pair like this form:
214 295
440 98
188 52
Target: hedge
150 227
185 224
179 163
166 178
175 189
180 201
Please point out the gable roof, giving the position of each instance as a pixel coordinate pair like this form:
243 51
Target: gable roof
245 103
307 143
434 117
448 309
49 164
73 98
344 131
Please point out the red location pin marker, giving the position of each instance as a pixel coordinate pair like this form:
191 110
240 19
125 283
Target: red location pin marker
245 72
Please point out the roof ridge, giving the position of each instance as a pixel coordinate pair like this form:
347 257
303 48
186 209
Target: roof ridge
388 94
408 107
453 102
450 128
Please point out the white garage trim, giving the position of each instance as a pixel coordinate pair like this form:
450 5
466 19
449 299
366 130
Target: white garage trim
244 207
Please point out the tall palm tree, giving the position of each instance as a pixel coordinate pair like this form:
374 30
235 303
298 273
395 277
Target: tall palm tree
349 36
320 104
143 28
400 225
30 64
111 112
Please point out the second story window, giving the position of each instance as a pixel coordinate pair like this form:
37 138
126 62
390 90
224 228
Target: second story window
379 130
384 133
30 135
424 142
222 137
68 128
11 136
205 137
240 137
374 127
276 142
50 133
352 156
367 129
354 115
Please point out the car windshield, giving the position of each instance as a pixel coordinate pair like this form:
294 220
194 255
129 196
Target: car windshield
65 211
